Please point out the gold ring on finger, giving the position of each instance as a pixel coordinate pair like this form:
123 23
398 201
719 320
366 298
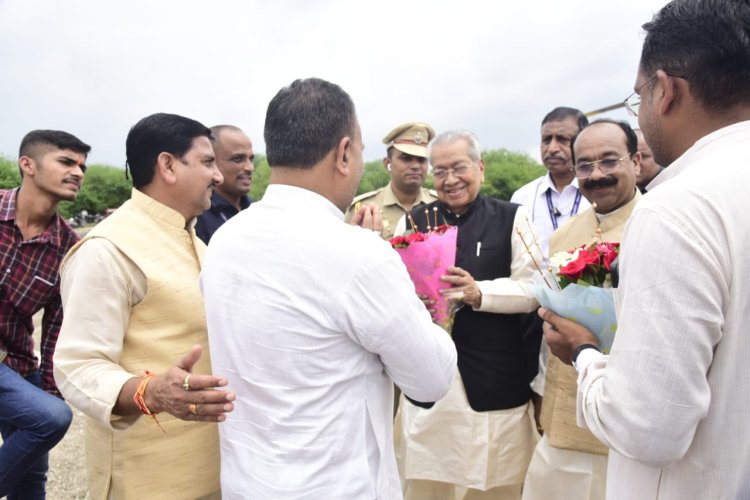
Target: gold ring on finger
186 383
192 408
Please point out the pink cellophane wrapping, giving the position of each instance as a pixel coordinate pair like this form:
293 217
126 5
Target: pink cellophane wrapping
428 260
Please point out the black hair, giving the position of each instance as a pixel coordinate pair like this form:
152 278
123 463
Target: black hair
156 134
305 121
35 142
707 42
561 113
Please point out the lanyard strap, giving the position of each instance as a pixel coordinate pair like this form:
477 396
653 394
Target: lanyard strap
553 212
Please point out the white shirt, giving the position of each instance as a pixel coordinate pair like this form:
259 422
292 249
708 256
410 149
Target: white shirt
673 398
311 320
533 196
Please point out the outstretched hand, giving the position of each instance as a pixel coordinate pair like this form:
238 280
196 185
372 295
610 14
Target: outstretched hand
563 335
187 395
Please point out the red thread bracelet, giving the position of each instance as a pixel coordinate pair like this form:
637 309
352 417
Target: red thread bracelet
140 403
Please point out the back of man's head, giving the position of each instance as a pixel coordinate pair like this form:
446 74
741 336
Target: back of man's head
156 134
707 42
305 121
562 113
38 142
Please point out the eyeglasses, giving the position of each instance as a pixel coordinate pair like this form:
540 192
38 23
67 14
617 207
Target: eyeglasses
633 102
442 173
606 166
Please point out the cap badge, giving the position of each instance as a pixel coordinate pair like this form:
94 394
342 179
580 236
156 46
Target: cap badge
419 138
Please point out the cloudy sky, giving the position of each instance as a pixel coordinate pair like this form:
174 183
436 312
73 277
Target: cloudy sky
95 67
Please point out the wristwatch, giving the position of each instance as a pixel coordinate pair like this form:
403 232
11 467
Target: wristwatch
580 349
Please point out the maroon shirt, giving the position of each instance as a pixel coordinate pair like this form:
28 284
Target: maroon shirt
30 281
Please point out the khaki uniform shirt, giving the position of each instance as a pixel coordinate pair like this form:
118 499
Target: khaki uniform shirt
390 206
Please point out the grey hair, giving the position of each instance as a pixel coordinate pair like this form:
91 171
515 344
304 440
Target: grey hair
451 136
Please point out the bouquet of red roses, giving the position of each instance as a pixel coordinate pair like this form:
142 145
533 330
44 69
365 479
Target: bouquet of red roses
427 257
582 289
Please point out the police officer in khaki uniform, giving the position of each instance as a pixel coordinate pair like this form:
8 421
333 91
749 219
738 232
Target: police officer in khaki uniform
407 166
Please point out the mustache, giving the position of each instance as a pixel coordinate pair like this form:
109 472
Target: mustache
604 182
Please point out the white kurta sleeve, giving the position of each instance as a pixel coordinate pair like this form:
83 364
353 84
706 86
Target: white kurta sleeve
98 288
646 399
513 294
387 318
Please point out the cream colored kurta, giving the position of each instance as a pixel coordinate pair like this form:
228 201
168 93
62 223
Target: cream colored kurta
132 303
559 408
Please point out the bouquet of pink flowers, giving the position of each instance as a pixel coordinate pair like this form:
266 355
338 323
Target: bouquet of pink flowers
582 289
427 257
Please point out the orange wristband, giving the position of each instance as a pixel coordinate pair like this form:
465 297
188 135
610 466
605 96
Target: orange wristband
140 403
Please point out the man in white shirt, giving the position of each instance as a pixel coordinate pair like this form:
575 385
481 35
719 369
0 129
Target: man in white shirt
672 398
554 198
314 333
550 200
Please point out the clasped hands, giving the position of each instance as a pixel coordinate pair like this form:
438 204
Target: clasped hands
369 217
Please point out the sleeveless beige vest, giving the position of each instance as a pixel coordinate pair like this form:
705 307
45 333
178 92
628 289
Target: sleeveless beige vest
561 384
142 461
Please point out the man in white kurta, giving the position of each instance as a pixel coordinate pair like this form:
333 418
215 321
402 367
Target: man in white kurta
671 400
313 320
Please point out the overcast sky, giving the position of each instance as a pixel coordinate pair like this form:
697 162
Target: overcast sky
95 67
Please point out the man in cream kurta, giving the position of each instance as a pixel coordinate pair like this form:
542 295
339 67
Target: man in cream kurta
133 308
569 463
671 399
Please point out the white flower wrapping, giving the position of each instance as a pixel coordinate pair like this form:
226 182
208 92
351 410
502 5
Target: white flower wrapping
590 306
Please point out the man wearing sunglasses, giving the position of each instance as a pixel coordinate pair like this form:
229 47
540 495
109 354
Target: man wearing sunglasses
671 399
569 463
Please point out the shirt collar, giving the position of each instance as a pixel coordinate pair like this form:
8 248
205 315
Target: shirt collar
52 233
286 195
458 219
158 210
729 134
219 202
547 183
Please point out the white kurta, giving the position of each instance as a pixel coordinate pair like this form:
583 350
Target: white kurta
311 319
673 398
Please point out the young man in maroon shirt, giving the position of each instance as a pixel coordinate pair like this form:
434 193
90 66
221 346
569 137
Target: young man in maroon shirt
33 240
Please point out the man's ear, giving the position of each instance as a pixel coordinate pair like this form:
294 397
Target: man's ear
481 170
637 162
343 155
27 165
166 168
672 89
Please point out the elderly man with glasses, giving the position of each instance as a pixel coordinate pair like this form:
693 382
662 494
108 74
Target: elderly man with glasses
569 463
439 452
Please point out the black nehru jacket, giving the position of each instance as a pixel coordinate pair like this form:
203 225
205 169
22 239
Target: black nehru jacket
491 352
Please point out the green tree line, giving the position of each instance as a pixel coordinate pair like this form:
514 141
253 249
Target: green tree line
106 186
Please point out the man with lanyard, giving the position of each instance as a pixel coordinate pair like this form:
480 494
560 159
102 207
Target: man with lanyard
550 200
554 198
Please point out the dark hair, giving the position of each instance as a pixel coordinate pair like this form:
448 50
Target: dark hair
305 121
707 42
631 140
156 134
38 142
562 113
